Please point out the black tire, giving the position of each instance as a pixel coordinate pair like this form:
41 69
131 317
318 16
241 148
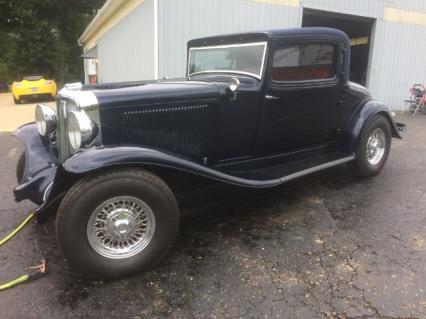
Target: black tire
361 166
87 194
20 167
17 101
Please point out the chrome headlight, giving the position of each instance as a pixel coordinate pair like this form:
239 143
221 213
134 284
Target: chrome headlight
81 129
45 119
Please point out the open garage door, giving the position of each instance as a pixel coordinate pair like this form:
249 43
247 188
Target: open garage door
359 30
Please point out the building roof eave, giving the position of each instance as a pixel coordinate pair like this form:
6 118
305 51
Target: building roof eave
109 7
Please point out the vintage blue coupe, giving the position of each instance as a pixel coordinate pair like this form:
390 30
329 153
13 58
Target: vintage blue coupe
255 110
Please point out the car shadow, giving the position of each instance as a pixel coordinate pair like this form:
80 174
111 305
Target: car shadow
231 217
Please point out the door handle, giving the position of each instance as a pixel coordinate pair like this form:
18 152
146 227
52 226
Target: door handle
271 98
340 102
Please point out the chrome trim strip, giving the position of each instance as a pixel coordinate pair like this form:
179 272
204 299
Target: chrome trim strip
317 168
47 192
45 195
83 99
257 76
359 88
227 71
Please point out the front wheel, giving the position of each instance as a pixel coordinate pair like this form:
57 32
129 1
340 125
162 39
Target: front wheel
374 147
117 223
17 100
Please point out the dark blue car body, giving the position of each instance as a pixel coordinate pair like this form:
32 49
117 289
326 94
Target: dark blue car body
265 134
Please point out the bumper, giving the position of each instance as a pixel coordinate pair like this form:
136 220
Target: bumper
41 168
401 127
41 91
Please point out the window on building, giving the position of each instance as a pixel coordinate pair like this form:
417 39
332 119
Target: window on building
303 62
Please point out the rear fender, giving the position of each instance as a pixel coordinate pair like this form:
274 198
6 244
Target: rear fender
362 115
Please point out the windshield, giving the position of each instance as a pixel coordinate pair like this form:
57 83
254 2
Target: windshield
33 77
245 58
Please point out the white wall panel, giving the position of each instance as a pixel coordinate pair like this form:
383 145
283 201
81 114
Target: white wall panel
399 60
182 20
126 51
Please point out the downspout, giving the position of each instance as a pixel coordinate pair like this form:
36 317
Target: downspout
156 50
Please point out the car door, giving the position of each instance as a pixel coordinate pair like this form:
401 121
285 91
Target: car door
302 95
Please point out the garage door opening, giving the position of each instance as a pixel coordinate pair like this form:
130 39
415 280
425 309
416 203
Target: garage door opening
359 30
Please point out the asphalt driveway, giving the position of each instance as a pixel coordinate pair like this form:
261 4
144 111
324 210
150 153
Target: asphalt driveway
327 245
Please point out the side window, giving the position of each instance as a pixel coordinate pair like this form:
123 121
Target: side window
303 62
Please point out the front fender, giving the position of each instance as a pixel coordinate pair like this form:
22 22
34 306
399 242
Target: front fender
93 159
40 166
363 114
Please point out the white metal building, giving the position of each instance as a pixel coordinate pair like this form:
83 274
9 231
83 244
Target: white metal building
132 40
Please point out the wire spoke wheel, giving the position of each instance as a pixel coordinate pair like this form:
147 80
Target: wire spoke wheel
376 146
121 227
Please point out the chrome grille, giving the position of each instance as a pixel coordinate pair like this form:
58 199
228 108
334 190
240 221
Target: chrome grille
63 107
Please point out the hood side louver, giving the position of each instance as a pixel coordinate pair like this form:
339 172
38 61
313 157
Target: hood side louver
175 128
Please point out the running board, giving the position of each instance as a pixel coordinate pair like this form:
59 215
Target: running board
276 175
317 168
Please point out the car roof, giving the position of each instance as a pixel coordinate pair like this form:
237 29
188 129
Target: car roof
268 34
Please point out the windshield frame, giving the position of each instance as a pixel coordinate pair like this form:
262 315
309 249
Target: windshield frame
236 45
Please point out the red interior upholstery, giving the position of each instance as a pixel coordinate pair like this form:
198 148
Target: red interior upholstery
300 73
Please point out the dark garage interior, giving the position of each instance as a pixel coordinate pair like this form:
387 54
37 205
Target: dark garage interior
359 30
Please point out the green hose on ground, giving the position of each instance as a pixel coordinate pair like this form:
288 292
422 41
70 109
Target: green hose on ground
40 269
17 229
14 282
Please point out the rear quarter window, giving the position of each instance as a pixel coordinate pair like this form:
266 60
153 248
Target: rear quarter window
304 62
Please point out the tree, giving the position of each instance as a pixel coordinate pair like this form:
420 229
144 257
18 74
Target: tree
40 36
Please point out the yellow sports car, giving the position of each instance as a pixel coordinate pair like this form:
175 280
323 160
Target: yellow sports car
33 86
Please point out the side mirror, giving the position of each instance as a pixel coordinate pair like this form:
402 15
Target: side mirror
234 84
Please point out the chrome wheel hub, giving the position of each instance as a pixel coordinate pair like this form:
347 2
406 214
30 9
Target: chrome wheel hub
121 227
121 224
376 146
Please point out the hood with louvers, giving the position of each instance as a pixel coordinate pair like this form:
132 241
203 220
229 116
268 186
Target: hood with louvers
170 116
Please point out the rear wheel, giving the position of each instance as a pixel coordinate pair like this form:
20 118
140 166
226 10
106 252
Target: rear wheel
374 147
17 100
117 223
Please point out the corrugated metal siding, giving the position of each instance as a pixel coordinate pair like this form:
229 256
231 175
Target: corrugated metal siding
86 71
412 5
180 21
126 50
399 60
370 8
398 56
